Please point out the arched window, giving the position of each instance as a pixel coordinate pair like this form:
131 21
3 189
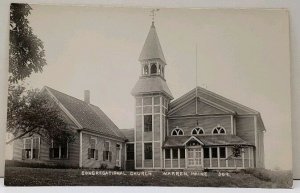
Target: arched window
146 70
198 131
177 131
153 68
219 130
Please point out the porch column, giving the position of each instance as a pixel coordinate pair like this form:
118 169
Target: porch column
226 156
164 158
249 152
186 162
243 157
202 156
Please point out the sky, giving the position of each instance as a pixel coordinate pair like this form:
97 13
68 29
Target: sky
242 55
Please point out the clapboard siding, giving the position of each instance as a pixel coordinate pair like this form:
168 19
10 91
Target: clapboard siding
207 123
245 128
93 163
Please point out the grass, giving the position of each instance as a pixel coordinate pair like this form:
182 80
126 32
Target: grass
24 176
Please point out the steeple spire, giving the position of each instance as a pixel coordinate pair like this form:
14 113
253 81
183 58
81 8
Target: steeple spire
152 48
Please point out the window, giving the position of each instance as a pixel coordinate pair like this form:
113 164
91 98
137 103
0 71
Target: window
167 154
177 131
148 150
147 123
159 69
198 131
214 152
206 152
222 152
31 148
58 150
146 70
175 153
130 151
92 151
153 68
107 155
182 153
219 130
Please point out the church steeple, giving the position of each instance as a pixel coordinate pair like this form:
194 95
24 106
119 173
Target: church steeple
153 64
152 48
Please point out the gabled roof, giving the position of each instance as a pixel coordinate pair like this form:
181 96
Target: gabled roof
213 98
207 140
86 116
152 84
152 48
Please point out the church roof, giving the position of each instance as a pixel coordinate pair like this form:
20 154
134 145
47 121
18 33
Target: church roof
153 84
152 48
86 116
207 140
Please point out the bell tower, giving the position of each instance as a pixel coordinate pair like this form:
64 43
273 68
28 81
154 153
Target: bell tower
152 96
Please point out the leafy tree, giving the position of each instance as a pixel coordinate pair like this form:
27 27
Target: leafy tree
31 112
237 150
26 53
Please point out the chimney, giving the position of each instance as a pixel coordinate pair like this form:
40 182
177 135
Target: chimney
87 96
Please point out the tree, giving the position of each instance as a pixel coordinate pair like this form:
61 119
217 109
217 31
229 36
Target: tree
237 150
31 112
26 53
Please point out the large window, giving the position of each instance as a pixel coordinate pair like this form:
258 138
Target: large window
92 151
148 150
31 148
177 131
206 152
107 155
222 152
182 153
219 130
147 123
58 150
214 152
175 153
167 154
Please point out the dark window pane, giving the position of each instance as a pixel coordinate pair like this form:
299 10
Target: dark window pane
182 153
175 153
148 150
130 151
206 152
168 154
180 132
148 123
194 132
201 131
222 131
222 152
215 131
174 132
153 68
214 152
56 152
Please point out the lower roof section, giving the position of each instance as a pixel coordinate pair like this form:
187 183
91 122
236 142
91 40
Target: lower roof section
206 140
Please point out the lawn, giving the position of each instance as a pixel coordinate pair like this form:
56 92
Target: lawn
23 176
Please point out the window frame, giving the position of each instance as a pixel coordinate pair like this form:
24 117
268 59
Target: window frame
93 150
31 156
177 130
148 126
148 155
198 129
218 130
60 151
153 64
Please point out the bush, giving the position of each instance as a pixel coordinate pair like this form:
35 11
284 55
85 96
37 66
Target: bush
103 167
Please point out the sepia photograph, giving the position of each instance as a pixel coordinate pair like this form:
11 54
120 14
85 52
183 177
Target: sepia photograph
128 96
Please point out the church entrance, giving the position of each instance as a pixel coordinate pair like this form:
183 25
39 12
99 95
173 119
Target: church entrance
194 154
194 157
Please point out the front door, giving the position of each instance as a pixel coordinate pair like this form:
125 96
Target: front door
194 157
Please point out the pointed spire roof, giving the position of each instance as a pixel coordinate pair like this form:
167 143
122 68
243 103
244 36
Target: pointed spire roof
152 48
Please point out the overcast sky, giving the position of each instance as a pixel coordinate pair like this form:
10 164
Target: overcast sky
243 55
